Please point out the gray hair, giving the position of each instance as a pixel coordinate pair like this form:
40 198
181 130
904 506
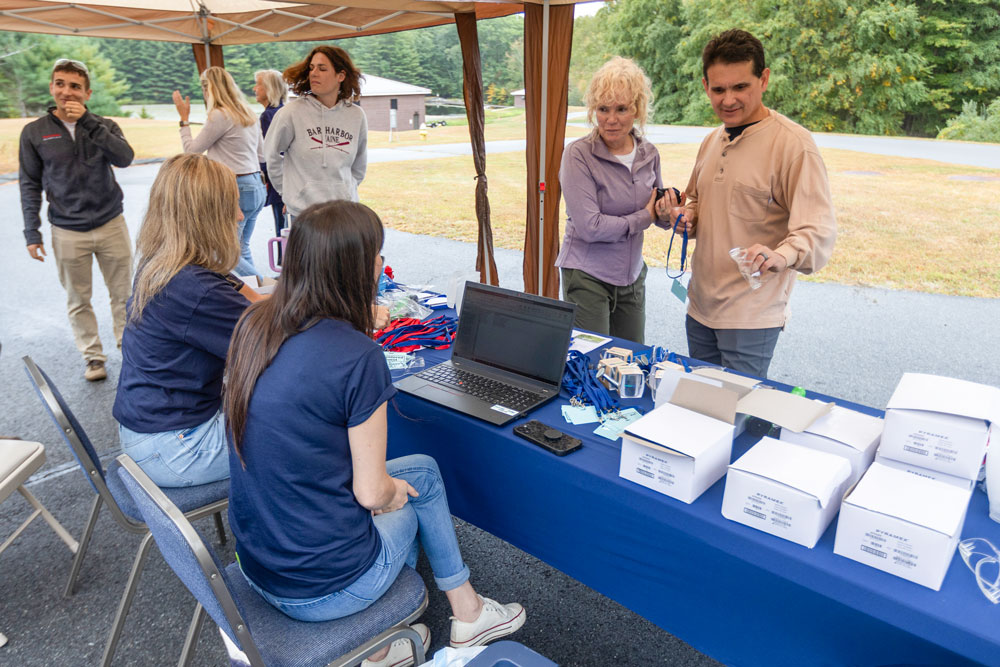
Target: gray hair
274 86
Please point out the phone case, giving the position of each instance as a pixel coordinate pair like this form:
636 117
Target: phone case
545 436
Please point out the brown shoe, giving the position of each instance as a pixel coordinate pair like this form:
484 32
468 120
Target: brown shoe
95 371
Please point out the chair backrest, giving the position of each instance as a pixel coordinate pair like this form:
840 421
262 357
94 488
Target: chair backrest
74 435
187 555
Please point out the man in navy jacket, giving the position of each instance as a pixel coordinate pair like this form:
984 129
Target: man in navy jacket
68 154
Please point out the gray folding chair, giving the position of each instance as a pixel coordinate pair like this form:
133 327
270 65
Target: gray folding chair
195 501
263 634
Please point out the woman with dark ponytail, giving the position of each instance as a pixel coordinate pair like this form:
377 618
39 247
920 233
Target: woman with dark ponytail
323 523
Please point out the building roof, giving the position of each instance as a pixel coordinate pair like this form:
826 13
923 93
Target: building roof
518 92
375 86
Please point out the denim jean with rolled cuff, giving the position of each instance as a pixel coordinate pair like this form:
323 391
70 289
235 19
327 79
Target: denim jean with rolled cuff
426 517
186 457
253 194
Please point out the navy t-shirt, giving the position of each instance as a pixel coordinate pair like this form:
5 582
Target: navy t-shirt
300 532
174 357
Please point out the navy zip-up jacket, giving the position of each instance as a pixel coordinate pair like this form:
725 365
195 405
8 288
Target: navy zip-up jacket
76 176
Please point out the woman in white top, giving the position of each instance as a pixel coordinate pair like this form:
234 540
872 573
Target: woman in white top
231 135
317 145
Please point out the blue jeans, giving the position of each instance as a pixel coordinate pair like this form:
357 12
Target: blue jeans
186 457
426 516
253 194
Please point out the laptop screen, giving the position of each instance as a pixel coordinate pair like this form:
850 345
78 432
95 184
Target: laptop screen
516 332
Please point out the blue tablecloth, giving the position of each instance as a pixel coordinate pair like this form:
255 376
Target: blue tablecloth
742 596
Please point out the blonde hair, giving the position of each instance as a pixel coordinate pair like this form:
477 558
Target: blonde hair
620 79
221 93
192 218
275 89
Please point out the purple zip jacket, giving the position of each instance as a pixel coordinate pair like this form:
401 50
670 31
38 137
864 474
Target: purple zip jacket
605 208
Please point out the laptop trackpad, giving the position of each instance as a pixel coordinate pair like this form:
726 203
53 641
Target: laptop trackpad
433 392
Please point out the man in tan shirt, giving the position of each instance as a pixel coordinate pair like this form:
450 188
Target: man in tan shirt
758 183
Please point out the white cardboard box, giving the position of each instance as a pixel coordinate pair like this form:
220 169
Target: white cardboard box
940 423
843 432
676 451
904 522
786 490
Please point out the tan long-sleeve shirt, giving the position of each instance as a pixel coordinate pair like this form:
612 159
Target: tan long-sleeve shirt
767 186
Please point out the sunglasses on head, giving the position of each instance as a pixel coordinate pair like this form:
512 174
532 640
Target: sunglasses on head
75 64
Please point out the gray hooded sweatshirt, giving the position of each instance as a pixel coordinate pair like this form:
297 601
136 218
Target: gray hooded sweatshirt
315 153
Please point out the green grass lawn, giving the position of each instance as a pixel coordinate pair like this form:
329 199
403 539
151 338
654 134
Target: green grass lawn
914 226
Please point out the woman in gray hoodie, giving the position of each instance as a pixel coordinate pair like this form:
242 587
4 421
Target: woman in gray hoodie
316 149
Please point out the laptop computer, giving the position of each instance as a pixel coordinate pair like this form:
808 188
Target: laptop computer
507 359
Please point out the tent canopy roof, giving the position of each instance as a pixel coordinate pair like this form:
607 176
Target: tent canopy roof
224 22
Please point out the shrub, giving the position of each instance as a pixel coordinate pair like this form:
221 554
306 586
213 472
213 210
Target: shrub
974 123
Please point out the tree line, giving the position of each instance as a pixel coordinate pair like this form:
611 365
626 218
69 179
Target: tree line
886 67
889 67
146 72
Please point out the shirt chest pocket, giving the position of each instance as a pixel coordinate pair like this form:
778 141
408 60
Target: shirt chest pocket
748 203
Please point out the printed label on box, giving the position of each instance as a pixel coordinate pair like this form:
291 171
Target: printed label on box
656 468
894 549
933 445
768 509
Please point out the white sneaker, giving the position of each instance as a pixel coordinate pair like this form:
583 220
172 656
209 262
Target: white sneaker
400 653
495 621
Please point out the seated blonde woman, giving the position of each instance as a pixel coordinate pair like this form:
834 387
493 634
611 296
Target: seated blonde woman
184 306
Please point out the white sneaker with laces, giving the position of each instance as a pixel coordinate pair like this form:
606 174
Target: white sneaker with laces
495 621
400 654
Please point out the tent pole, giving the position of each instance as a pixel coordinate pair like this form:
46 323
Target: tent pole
541 152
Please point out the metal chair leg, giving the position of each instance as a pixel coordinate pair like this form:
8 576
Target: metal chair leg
194 632
126 601
74 571
219 528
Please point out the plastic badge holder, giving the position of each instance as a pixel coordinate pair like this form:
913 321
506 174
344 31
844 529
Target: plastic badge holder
752 277
983 559
631 382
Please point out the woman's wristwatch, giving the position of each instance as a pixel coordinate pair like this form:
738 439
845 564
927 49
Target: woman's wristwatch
185 123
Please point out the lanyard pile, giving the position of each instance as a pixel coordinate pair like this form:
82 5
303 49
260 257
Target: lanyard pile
579 380
408 334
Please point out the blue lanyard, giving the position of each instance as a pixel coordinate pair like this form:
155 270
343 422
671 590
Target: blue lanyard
579 380
674 358
684 247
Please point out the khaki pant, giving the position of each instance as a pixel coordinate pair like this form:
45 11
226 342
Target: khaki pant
73 251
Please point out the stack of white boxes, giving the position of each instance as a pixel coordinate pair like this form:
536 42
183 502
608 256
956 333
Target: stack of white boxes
906 514
793 488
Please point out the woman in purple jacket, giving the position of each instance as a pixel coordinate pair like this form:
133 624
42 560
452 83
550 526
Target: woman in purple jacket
609 182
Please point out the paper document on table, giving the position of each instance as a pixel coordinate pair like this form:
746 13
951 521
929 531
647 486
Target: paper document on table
584 342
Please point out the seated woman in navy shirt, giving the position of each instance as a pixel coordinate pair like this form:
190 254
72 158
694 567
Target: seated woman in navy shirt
181 316
323 523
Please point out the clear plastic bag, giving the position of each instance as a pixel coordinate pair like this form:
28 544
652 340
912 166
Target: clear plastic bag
402 361
403 303
745 265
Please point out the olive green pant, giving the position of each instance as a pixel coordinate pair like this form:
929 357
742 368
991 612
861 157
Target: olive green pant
605 308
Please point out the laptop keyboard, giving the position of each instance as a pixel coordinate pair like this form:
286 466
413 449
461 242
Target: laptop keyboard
483 388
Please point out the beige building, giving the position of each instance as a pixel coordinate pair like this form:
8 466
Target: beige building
383 99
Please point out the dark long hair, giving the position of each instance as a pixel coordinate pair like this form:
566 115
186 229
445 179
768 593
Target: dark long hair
328 272
297 76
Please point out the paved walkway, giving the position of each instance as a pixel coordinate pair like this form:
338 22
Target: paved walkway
951 152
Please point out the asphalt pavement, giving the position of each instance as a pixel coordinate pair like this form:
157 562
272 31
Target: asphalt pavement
849 342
